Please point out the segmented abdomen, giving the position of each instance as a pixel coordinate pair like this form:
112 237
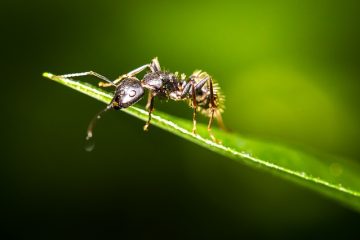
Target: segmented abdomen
203 95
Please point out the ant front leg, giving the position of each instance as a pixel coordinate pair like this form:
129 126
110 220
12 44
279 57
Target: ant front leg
154 66
90 73
127 75
150 106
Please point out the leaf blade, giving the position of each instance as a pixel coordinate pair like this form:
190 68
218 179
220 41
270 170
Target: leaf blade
338 179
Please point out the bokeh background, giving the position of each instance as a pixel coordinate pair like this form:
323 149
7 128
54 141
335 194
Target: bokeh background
290 72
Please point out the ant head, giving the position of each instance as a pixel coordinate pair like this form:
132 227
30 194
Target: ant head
127 93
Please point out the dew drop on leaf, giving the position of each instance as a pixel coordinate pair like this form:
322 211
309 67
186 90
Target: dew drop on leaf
89 145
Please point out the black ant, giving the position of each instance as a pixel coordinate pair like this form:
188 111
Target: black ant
201 92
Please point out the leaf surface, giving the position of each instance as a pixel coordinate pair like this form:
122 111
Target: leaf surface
337 178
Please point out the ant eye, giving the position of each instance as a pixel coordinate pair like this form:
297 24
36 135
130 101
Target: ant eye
132 93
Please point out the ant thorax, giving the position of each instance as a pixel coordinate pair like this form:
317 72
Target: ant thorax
164 84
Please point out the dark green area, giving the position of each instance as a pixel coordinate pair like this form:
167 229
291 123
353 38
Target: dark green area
289 70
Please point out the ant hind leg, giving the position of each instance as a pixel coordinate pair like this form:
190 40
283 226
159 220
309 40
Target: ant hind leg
194 105
210 123
220 121
213 108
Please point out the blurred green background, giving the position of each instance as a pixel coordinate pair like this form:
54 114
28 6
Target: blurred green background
290 73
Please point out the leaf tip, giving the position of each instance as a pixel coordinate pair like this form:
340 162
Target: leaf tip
48 75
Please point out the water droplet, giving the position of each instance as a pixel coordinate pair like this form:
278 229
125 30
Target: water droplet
246 154
90 145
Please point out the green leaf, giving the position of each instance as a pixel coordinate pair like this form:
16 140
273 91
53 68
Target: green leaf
336 178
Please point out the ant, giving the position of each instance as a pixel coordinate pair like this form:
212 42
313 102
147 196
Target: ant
199 89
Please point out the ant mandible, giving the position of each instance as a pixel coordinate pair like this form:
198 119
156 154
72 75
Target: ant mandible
200 90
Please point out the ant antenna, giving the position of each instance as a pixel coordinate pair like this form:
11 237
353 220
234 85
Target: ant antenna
94 120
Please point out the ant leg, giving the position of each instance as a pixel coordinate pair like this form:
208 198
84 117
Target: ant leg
187 86
209 125
137 70
148 101
194 106
155 65
151 108
130 74
186 89
213 108
220 121
202 82
90 73
203 78
184 93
